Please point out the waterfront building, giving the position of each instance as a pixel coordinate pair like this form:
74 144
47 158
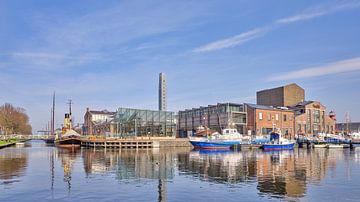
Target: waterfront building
262 120
129 122
162 92
283 96
213 117
348 127
311 118
97 122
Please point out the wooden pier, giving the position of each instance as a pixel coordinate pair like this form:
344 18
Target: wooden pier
134 143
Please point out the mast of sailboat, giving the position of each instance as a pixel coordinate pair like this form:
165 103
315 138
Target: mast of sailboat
53 116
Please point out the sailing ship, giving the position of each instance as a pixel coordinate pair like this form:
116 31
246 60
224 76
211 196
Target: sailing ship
69 138
51 137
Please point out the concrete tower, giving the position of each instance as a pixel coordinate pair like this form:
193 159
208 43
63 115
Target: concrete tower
162 92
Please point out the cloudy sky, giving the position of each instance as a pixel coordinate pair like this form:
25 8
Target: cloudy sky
108 54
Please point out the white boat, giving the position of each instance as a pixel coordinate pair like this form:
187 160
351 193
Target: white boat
336 146
321 146
216 140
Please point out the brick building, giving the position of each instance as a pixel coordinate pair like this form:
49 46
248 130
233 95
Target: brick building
283 96
98 122
261 120
311 118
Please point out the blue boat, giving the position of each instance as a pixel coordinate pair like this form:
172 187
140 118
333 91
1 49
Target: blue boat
278 143
218 145
217 141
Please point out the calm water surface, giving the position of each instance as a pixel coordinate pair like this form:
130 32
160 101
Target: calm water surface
37 172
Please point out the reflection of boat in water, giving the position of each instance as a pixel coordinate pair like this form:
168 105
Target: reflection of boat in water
217 141
321 146
278 143
69 137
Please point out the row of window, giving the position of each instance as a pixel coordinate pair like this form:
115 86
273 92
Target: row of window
270 116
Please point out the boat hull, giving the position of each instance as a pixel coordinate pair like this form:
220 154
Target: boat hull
68 142
213 145
269 147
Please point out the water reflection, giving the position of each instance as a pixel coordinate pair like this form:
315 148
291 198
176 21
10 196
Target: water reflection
13 163
163 173
277 174
67 157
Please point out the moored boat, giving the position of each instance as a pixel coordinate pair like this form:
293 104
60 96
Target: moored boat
69 137
278 143
336 146
217 141
320 145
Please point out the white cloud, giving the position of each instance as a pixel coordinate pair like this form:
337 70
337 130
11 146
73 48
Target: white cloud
232 41
319 11
342 66
308 14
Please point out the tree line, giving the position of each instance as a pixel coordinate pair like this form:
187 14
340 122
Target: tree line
14 120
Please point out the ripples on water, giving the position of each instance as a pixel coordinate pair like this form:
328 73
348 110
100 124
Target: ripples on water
40 172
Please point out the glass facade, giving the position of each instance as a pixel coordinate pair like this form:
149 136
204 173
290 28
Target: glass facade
214 117
139 123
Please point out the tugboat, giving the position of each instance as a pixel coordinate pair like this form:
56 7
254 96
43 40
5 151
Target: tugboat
278 143
69 138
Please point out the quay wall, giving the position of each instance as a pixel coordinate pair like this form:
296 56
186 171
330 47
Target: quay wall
136 143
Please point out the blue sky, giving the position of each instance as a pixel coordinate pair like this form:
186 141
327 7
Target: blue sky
108 54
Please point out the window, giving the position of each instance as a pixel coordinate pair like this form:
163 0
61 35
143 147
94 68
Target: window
284 117
277 117
260 116
269 117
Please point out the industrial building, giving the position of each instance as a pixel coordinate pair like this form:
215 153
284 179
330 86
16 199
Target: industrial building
213 117
349 127
97 122
283 96
262 120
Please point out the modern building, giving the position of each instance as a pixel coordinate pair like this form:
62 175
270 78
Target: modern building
162 92
139 122
214 117
348 127
262 120
283 96
97 122
311 118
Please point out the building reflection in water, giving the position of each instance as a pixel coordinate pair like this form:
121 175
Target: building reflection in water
134 164
13 163
278 174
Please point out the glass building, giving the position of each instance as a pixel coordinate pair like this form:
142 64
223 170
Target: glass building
214 117
139 123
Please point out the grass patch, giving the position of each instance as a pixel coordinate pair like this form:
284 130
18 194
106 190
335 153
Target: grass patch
3 142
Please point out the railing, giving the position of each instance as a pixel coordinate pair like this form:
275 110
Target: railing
24 137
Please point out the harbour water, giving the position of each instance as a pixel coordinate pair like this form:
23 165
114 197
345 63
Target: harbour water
37 172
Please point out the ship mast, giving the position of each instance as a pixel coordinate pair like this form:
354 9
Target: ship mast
53 116
70 117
